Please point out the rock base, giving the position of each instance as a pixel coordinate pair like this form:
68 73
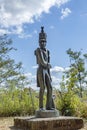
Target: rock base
54 123
47 113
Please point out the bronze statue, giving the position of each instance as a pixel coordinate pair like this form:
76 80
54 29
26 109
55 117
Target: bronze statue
43 72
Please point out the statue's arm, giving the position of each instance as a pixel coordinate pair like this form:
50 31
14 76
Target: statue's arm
50 65
40 58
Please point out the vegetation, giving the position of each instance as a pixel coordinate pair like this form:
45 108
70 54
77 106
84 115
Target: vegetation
72 97
17 102
10 72
15 99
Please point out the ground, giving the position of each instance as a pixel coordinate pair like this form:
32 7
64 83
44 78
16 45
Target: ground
8 124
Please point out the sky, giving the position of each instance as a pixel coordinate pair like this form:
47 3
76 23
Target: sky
64 21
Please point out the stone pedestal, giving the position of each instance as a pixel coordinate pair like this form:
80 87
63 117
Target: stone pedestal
53 123
47 113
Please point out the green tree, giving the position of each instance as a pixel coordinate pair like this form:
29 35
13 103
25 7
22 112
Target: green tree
73 85
10 72
67 101
77 72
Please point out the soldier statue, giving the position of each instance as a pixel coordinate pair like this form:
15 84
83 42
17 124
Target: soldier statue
43 72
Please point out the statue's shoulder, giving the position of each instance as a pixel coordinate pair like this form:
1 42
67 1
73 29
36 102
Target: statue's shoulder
37 51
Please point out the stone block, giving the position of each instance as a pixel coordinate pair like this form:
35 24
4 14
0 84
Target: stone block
47 113
53 123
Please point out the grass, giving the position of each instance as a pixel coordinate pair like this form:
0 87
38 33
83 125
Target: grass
7 123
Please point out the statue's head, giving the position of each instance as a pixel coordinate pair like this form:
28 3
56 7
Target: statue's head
42 38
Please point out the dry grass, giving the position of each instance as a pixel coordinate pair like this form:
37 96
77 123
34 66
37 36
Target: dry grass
8 124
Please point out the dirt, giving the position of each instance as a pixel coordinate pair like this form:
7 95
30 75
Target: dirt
8 124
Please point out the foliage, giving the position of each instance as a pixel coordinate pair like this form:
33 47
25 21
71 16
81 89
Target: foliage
83 110
72 96
17 102
77 73
68 102
10 72
14 99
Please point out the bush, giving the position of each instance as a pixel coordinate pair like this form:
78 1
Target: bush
68 103
17 102
82 110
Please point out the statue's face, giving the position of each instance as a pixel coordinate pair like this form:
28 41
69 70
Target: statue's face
43 44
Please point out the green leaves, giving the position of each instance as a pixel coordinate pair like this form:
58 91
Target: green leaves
17 102
73 87
77 72
9 70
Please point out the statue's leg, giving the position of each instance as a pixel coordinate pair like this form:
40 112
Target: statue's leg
53 105
49 103
41 92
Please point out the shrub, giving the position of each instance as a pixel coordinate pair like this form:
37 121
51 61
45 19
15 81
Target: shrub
17 102
68 103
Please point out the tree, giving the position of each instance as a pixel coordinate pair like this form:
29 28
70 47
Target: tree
77 72
10 72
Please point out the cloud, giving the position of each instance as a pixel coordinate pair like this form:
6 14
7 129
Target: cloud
3 31
56 81
32 81
60 2
67 69
65 12
28 74
57 69
56 74
23 35
85 79
15 13
35 67
31 77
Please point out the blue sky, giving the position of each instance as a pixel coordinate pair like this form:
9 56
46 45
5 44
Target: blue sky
64 21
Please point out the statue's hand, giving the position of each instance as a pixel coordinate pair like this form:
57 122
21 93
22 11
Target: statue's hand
49 66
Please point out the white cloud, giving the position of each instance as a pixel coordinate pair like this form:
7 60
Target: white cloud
3 31
28 74
23 35
56 81
56 74
60 2
86 79
32 80
35 67
57 69
31 77
14 13
67 69
65 12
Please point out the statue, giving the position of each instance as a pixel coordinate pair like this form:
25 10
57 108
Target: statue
43 72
